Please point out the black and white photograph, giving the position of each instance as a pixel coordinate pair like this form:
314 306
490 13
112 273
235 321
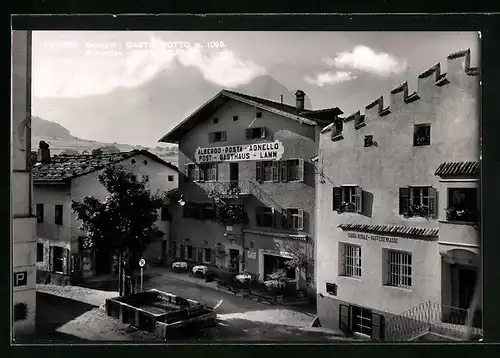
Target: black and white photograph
216 187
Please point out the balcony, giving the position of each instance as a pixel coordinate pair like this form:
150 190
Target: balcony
231 189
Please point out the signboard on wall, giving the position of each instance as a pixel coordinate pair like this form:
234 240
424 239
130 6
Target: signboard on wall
371 237
237 153
251 255
20 278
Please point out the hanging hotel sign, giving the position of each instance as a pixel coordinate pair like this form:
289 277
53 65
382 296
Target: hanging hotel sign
360 236
244 152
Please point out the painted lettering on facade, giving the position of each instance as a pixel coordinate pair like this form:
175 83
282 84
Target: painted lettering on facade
360 236
244 152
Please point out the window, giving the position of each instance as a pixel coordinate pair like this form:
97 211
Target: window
58 214
337 128
207 172
293 219
217 137
182 251
39 213
164 214
39 252
399 269
258 114
170 178
331 288
199 211
189 252
368 140
58 253
418 201
215 120
189 170
422 134
208 212
207 255
20 311
348 198
351 260
295 169
258 132
462 205
361 320
235 118
265 217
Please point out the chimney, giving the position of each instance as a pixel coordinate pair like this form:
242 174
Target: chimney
299 100
43 153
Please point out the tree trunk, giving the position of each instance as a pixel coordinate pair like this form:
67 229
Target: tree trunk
120 272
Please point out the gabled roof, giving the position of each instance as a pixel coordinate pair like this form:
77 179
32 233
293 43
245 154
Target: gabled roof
308 117
62 168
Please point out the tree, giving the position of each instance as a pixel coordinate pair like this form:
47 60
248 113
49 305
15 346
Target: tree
124 222
97 151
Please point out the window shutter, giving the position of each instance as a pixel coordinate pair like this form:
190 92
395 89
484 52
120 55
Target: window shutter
301 170
248 133
378 327
200 254
300 221
344 318
284 171
223 136
211 137
404 201
276 171
202 172
51 258
276 214
284 219
263 132
186 172
358 199
433 210
216 172
196 173
258 171
66 262
337 197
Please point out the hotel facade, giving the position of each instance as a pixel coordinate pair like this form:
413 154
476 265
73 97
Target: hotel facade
397 230
253 154
23 277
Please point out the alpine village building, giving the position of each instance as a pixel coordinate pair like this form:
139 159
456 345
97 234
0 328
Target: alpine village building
242 150
59 180
398 238
23 276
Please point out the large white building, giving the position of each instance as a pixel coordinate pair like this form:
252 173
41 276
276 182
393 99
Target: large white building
23 224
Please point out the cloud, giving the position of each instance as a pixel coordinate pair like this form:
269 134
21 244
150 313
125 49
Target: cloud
223 68
365 59
330 78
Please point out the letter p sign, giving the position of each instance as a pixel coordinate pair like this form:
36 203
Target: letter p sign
20 278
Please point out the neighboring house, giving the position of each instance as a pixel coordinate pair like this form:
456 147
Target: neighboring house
253 152
61 179
23 223
397 209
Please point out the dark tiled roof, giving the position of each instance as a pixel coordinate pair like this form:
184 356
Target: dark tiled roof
65 167
458 169
392 229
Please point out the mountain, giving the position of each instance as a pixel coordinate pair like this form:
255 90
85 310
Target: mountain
50 129
145 113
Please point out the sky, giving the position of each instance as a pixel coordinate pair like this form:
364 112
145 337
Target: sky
344 69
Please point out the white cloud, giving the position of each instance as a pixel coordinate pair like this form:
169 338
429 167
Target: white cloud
365 59
330 78
223 68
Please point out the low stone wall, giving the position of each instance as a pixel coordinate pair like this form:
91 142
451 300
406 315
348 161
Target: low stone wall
46 277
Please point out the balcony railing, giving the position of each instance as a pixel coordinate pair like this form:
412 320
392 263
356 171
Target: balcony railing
226 189
432 317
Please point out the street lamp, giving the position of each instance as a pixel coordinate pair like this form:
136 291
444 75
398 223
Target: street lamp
181 201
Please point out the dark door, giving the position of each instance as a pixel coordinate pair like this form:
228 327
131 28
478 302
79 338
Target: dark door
163 250
233 173
233 260
466 286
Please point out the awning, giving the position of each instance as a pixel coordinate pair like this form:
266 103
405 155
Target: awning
468 169
392 229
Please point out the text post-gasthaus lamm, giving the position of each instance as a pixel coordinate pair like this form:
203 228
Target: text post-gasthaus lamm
397 199
254 154
61 179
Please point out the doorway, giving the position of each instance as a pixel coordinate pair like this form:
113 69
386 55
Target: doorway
234 262
234 173
466 285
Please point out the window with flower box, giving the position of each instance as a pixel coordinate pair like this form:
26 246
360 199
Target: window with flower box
276 171
462 205
348 198
418 201
293 219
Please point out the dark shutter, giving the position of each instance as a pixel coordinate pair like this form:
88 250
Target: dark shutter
66 262
284 171
186 172
358 199
276 171
300 221
301 170
284 219
51 258
344 318
211 137
404 201
202 171
200 254
258 171
248 133
223 136
196 173
263 132
337 197
433 203
378 327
